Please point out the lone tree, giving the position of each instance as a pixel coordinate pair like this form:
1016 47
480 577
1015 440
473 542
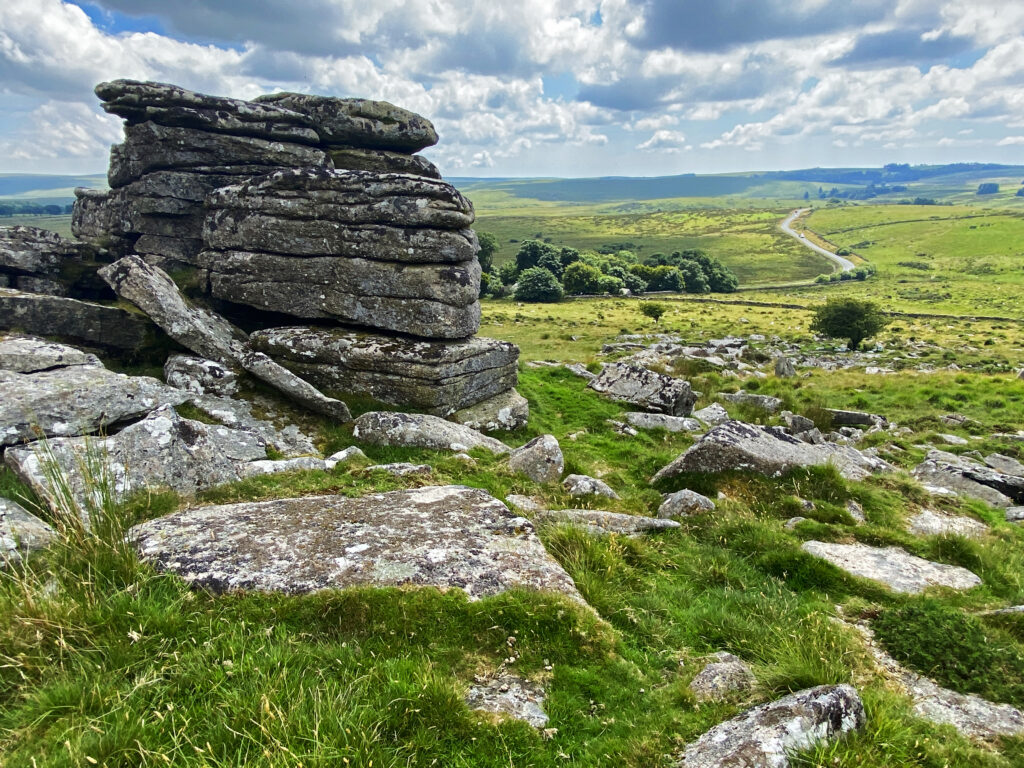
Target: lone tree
653 310
850 319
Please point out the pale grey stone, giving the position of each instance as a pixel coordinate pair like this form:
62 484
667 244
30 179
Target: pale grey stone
713 415
540 460
684 503
722 678
764 737
796 423
766 403
422 431
402 469
841 418
578 369
738 446
967 477
359 122
582 485
1014 514
75 401
645 388
663 421
856 511
506 411
21 532
200 376
509 696
952 439
784 367
526 503
441 536
1005 464
343 456
892 566
598 522
285 436
438 376
81 321
929 522
29 354
793 522
274 466
161 451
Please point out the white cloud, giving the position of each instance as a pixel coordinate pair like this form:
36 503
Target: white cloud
663 141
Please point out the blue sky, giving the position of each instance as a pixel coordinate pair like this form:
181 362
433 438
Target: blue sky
550 87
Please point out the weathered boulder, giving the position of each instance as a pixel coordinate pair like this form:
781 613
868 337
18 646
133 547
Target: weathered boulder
784 367
684 503
540 460
171 105
645 388
290 385
344 456
75 400
968 477
200 376
437 376
892 566
163 450
796 423
275 430
422 431
582 485
274 466
29 354
766 403
663 421
738 446
712 415
81 321
841 418
505 411
33 251
928 522
598 522
21 532
382 161
359 122
509 696
401 468
724 676
1007 465
765 735
441 536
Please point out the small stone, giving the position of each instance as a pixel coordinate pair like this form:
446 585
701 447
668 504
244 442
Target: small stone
725 676
1014 514
343 456
540 460
928 522
402 469
793 522
663 421
784 367
856 511
582 485
952 439
510 696
684 503
21 532
274 466
202 377
713 415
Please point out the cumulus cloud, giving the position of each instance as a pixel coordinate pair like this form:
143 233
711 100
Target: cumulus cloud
663 141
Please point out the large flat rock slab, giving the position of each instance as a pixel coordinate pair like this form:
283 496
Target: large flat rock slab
420 430
161 451
763 737
897 569
75 400
967 477
735 445
644 388
440 536
29 354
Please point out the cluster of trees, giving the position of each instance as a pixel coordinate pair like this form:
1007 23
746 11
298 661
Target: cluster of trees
988 188
862 272
545 272
32 209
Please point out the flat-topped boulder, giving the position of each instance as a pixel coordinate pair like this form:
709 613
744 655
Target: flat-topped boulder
75 400
33 251
645 388
163 450
892 566
29 354
436 376
440 536
735 445
929 522
359 122
382 161
421 430
968 477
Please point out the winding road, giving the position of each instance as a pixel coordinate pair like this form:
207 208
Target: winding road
845 265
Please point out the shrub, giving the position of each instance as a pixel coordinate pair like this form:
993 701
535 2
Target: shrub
611 284
850 319
653 310
537 284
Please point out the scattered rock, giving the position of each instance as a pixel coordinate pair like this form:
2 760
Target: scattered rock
402 469
841 418
525 503
161 451
597 522
721 678
343 456
581 485
713 415
1014 514
509 696
735 445
928 522
796 423
645 388
21 532
506 411
765 735
766 403
856 511
784 367
663 421
793 522
967 477
579 369
685 503
285 436
28 354
1000 463
274 466
421 431
540 460
952 439
892 566
442 536
76 400
199 376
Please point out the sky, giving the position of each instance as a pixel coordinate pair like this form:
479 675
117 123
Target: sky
550 87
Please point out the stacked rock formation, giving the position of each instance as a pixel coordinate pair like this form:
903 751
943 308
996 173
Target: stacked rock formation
314 210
